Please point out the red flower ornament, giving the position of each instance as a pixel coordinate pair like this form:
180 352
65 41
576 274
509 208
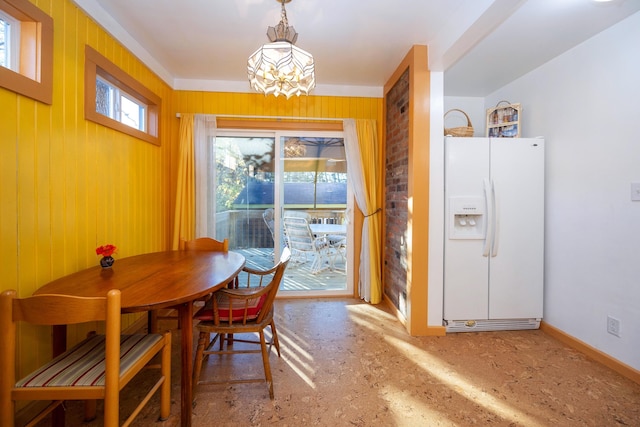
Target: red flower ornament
106 250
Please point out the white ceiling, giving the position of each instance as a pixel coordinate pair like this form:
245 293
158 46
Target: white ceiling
480 44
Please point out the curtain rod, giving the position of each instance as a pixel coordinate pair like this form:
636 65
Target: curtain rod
278 118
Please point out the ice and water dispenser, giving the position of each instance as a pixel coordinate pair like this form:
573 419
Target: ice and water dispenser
467 218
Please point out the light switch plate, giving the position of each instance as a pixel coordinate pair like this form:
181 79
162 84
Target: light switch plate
635 191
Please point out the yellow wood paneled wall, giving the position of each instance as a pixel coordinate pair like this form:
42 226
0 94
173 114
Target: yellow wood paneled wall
249 104
68 185
255 104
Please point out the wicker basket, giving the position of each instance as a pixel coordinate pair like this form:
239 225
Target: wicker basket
463 131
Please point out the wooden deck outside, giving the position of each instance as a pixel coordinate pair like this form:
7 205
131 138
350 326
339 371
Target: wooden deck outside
298 276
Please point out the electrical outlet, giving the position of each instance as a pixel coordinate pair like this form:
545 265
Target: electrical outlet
613 326
635 191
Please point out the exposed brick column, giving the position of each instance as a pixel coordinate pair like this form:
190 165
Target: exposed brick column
396 192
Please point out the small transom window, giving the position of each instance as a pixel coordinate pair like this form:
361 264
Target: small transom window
116 100
26 50
119 105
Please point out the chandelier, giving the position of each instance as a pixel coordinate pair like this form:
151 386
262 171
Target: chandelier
294 148
279 67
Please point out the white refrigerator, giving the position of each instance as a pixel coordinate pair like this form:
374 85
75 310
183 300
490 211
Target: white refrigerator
494 233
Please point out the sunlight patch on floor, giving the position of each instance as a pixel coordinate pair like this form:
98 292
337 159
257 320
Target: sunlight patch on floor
409 403
300 361
434 367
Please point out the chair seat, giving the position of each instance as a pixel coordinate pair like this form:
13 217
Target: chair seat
64 370
249 327
254 305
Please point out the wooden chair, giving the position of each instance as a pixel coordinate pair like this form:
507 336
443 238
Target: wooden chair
205 244
241 310
97 368
199 244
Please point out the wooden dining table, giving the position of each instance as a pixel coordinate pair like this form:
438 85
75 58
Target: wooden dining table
171 279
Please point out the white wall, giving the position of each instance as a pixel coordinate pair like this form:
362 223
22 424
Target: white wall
585 104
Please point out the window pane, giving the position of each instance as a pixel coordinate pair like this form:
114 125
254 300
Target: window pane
9 37
119 106
244 187
9 42
315 173
131 113
4 40
103 98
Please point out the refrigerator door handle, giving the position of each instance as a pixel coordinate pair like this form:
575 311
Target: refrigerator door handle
495 238
489 221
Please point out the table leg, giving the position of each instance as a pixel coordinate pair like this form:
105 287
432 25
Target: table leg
59 346
185 312
152 321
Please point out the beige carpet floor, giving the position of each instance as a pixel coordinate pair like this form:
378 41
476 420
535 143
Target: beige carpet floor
345 363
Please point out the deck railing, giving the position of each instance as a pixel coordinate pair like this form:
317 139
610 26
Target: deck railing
247 229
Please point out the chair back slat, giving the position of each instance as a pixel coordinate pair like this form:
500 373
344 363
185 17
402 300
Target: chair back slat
299 234
59 309
205 244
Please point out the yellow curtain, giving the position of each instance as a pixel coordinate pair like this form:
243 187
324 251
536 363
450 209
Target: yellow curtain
370 153
184 223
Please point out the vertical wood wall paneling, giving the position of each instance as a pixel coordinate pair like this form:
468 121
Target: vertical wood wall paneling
68 185
8 184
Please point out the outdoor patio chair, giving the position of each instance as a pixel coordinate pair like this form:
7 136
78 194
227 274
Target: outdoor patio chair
304 244
244 309
337 250
269 220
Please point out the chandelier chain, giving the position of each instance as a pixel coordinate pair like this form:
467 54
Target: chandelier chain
283 16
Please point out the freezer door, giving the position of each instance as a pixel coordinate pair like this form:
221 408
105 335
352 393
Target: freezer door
517 260
465 268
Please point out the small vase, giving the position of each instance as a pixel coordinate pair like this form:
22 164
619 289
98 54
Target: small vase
107 262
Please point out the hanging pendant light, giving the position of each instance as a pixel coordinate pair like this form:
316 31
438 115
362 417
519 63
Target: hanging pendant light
279 67
294 148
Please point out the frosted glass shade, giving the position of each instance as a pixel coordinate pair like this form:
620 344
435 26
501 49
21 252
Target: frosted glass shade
280 68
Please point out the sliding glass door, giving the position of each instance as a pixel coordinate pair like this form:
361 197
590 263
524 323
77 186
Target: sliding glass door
262 178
